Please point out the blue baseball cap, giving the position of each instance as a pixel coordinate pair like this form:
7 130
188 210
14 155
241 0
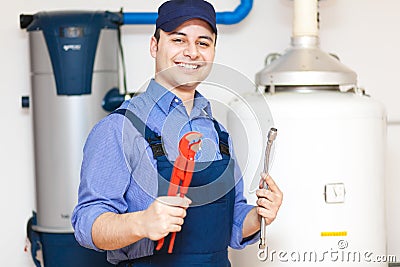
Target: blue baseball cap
173 13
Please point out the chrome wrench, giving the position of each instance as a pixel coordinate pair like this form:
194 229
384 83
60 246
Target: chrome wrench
262 253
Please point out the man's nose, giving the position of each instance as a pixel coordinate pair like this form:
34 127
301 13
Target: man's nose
191 51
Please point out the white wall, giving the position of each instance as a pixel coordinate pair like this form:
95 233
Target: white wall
364 33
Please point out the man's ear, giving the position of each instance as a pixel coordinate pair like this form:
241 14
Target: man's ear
153 47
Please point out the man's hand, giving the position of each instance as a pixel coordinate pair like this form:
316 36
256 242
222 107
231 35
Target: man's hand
112 231
269 200
165 215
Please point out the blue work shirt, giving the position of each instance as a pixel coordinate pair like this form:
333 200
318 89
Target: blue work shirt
119 173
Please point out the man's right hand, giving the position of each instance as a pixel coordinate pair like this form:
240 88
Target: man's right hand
165 215
112 231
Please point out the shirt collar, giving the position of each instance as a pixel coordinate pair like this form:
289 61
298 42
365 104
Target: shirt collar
164 99
160 95
202 104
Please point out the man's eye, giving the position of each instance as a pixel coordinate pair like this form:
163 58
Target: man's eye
205 44
177 40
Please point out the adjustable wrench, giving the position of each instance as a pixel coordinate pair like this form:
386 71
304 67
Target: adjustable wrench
182 173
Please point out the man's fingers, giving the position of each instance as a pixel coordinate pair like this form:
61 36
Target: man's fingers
175 201
271 196
177 221
268 215
264 202
270 182
177 212
175 206
174 223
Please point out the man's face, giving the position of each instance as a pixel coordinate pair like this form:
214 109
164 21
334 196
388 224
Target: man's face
184 56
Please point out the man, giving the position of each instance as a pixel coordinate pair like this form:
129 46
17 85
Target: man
123 207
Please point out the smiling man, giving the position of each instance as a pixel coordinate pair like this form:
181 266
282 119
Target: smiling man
184 46
123 207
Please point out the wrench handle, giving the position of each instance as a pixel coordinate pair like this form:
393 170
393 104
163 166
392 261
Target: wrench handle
160 243
171 242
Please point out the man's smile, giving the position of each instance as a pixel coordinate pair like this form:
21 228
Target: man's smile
187 66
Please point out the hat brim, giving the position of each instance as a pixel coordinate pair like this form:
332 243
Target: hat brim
170 26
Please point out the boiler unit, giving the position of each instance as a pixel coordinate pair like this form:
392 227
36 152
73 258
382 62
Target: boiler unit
329 157
74 63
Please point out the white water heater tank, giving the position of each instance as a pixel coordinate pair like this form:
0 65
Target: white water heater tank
329 163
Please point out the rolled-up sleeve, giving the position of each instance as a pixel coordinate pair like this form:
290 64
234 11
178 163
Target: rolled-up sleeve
105 177
241 209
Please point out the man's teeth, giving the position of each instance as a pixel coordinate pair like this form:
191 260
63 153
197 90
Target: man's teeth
188 66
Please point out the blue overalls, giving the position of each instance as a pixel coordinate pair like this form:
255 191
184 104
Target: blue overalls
206 232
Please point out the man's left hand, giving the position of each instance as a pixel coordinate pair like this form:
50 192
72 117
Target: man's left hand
269 200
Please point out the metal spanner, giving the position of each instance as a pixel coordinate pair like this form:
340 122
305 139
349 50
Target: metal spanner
262 253
182 173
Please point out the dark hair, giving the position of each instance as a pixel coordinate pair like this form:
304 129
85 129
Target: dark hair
157 36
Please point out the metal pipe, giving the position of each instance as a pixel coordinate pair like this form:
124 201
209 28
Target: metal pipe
305 18
226 17
262 253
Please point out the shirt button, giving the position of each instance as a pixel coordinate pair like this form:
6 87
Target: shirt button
176 100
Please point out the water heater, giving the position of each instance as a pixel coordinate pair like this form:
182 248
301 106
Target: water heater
329 163
328 159
74 63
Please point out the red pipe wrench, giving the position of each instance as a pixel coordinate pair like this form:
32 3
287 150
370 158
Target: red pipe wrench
182 173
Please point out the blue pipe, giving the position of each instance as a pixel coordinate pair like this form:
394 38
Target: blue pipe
236 16
227 17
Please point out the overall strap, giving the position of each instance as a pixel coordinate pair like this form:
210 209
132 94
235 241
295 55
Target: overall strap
155 140
223 140
151 137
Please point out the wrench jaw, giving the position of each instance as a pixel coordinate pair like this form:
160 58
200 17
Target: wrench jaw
190 143
192 137
195 146
188 146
